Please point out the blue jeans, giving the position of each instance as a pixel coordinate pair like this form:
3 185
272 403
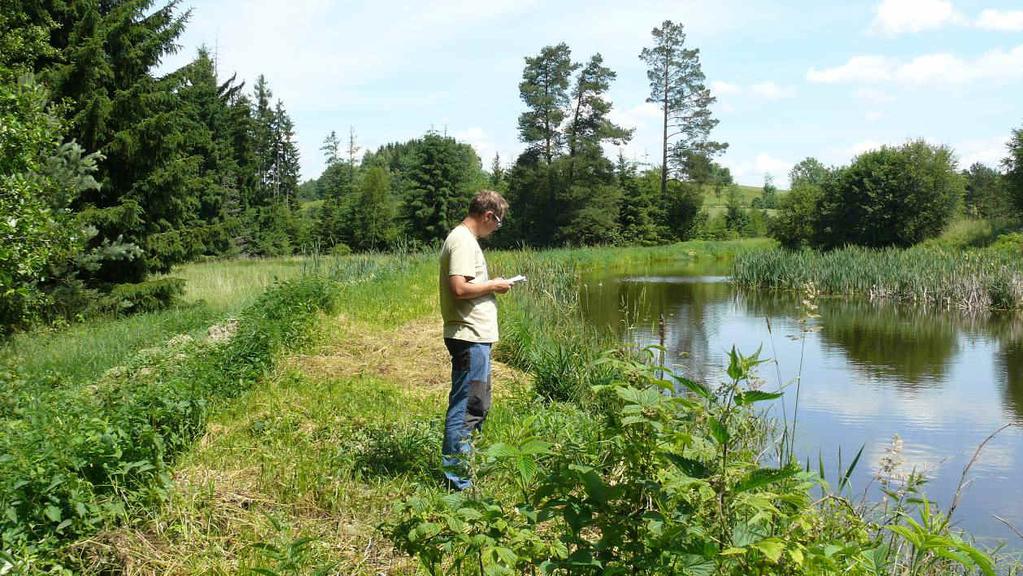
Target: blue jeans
468 404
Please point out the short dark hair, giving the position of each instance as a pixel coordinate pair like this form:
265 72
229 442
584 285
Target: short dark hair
488 201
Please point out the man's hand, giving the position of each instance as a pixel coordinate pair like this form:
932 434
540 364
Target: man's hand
500 285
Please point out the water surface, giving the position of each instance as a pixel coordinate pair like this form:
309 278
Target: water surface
943 383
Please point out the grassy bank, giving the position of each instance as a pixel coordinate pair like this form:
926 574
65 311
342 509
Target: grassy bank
330 463
75 458
952 279
325 461
77 354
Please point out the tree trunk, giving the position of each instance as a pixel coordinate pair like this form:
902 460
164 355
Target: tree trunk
664 138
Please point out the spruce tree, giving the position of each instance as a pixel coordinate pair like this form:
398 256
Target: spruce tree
637 217
373 214
439 178
285 165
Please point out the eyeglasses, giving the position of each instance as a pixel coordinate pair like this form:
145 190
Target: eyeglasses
499 222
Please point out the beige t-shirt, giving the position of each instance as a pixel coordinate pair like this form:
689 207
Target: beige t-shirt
473 320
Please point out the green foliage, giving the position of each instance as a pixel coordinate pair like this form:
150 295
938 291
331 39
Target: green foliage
669 483
1013 165
808 172
796 222
544 90
769 195
639 213
892 196
589 125
986 194
438 179
373 213
147 296
39 179
395 448
74 458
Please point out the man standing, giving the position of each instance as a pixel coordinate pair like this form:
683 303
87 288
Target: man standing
469 307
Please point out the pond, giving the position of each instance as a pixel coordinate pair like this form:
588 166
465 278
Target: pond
941 382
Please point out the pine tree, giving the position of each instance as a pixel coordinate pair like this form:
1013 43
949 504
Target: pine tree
589 126
544 89
677 85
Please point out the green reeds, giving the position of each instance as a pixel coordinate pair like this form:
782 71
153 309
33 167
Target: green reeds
966 280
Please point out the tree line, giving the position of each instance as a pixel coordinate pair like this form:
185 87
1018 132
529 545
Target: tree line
897 196
563 188
111 174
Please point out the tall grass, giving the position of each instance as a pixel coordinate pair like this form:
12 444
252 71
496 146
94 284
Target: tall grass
966 280
73 458
303 457
76 354
542 330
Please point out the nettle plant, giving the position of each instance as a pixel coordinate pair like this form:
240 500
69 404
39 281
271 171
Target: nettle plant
672 484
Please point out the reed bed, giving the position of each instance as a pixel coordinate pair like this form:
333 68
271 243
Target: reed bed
951 279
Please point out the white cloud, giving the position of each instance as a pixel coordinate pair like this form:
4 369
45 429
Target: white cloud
949 69
636 116
766 90
753 170
895 17
928 69
859 69
873 116
1003 20
722 88
772 91
988 151
873 95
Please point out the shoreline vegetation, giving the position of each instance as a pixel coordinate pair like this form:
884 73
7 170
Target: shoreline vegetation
957 279
289 440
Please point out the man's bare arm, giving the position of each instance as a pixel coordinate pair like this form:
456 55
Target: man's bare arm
465 290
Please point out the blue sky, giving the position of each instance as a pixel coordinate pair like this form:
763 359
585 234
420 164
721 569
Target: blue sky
793 79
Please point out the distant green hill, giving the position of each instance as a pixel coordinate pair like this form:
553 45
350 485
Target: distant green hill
746 195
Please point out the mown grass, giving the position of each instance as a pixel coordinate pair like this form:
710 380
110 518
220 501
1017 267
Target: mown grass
951 279
74 459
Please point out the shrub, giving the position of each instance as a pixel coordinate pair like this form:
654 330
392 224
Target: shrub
148 296
890 197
